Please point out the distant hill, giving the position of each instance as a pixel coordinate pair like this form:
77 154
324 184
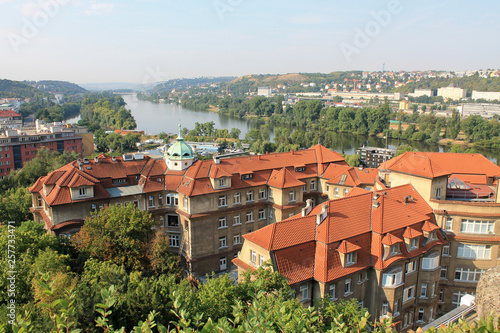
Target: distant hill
470 83
58 87
17 89
184 83
110 86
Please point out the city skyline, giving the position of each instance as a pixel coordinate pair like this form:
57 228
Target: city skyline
146 41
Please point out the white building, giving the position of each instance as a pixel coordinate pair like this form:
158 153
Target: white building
487 95
452 92
422 92
264 91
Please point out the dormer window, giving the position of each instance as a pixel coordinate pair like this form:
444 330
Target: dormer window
247 176
222 182
348 253
395 249
300 169
82 191
350 258
414 243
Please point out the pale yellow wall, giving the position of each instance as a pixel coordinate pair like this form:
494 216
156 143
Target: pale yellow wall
422 185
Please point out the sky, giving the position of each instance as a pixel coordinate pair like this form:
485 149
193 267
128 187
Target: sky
145 41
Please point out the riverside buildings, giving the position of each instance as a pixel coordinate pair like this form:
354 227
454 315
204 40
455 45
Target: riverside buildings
204 206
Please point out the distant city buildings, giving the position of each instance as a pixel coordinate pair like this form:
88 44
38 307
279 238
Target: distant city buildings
373 157
10 119
422 92
486 95
264 91
452 92
18 146
485 110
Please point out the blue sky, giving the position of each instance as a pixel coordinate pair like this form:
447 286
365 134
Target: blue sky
144 41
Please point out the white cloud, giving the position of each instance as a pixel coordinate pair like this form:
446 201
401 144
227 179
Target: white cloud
100 8
30 8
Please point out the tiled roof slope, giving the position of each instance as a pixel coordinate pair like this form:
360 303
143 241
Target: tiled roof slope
283 179
305 249
431 165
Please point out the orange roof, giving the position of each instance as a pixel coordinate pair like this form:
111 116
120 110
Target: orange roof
346 247
218 172
367 175
411 232
429 226
391 239
418 165
305 250
443 164
283 179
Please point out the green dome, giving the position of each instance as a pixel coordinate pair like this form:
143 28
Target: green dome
180 150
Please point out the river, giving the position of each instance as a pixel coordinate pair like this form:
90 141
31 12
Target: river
154 118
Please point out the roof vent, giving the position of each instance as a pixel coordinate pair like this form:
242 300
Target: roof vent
375 204
96 160
85 161
376 196
113 158
128 157
408 199
216 160
307 209
321 216
138 156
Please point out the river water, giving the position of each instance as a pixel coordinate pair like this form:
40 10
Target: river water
154 118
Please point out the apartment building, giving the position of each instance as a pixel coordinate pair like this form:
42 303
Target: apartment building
382 248
10 119
462 190
452 92
18 146
204 206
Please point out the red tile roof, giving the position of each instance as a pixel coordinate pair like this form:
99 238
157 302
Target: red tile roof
304 250
9 113
432 165
217 171
283 179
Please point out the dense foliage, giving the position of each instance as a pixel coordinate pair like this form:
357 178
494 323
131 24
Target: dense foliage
58 87
106 111
17 89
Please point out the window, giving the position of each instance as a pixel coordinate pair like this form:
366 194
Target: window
421 315
291 214
468 274
262 193
237 198
408 293
423 290
347 287
405 320
331 292
291 196
173 220
173 240
474 251
249 196
457 295
385 309
438 193
446 251
222 222
186 203
160 199
270 212
432 236
441 295
253 257
313 185
477 227
172 199
350 258
395 312
394 249
236 219
346 190
262 214
93 208
327 187
304 292
249 217
410 318
431 261
392 279
304 188
236 239
411 267
444 271
336 192
82 191
39 201
261 260
414 243
448 223
270 193
222 242
222 182
151 201
222 201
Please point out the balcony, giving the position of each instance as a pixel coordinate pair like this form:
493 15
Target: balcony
458 190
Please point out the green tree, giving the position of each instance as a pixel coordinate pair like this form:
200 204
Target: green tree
15 205
118 234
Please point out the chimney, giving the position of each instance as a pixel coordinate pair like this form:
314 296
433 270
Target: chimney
113 159
258 157
291 151
375 203
96 160
307 209
216 160
320 217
